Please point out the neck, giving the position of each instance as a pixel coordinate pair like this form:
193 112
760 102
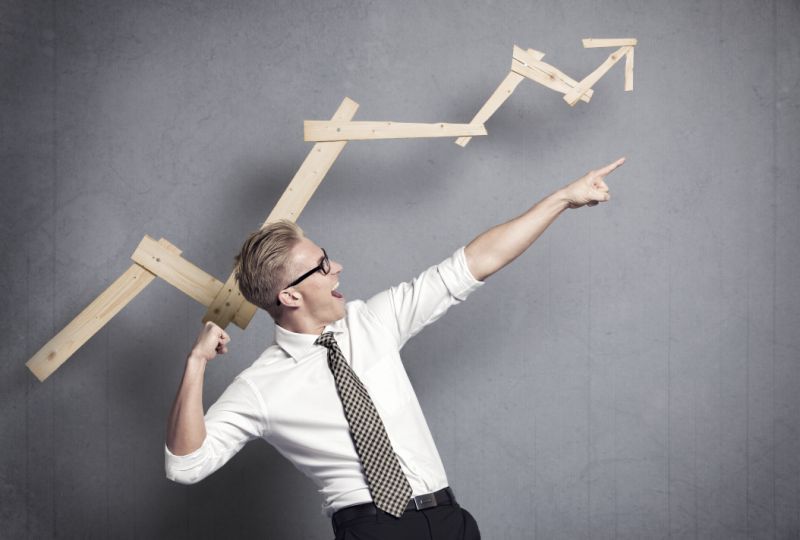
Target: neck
300 325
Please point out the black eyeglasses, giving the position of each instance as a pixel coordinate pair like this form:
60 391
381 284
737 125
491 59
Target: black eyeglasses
324 266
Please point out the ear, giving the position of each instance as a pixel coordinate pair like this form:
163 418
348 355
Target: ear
290 297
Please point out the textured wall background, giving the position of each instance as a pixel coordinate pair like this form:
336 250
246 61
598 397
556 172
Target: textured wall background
634 375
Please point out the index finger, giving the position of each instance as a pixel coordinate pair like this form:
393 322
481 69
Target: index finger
610 167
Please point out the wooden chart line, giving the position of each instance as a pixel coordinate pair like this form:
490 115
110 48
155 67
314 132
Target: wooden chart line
224 302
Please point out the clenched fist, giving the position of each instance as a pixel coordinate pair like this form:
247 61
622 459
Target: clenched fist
211 341
591 189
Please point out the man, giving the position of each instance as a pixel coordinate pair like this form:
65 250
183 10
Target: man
331 393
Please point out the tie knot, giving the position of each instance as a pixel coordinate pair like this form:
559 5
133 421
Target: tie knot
326 340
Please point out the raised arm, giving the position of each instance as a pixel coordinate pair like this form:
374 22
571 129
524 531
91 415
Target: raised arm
495 248
186 428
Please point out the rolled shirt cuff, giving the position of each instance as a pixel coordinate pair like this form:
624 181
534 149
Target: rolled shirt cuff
185 469
457 277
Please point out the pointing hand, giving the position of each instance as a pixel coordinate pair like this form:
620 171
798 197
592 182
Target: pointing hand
591 189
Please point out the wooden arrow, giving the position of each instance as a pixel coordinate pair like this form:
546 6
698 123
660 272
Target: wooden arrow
224 300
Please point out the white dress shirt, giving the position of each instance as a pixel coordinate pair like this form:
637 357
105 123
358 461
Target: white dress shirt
288 396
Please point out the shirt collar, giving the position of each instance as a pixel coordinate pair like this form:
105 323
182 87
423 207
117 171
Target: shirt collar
298 346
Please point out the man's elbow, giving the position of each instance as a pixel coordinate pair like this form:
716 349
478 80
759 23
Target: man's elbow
189 468
481 266
184 477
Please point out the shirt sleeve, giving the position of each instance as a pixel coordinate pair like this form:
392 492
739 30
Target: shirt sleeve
237 417
407 308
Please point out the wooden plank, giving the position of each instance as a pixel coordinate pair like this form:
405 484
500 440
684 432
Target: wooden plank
310 174
544 74
534 53
93 317
177 271
522 54
498 97
546 79
229 304
592 43
552 72
629 71
244 314
325 130
573 95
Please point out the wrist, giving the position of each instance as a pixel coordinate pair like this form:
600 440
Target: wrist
195 360
561 199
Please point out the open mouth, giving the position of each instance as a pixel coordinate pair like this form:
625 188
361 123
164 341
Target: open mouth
335 293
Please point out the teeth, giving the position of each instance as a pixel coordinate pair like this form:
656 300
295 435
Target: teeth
335 286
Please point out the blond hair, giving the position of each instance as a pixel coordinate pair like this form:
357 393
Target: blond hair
262 266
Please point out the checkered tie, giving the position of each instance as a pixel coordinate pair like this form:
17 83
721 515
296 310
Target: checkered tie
387 483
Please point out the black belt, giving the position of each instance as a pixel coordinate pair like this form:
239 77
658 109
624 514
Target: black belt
420 502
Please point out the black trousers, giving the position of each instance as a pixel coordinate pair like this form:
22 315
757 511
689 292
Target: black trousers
449 522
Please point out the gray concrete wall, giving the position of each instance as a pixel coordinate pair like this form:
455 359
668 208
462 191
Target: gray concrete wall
634 375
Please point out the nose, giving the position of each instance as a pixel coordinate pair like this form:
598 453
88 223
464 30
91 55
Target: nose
336 267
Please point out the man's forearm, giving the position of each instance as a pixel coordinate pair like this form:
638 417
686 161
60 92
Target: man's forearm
500 245
495 248
186 427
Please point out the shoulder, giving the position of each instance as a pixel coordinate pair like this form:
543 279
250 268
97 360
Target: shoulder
354 307
269 358
358 312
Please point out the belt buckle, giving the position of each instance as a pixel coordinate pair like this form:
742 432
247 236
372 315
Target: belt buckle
425 501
